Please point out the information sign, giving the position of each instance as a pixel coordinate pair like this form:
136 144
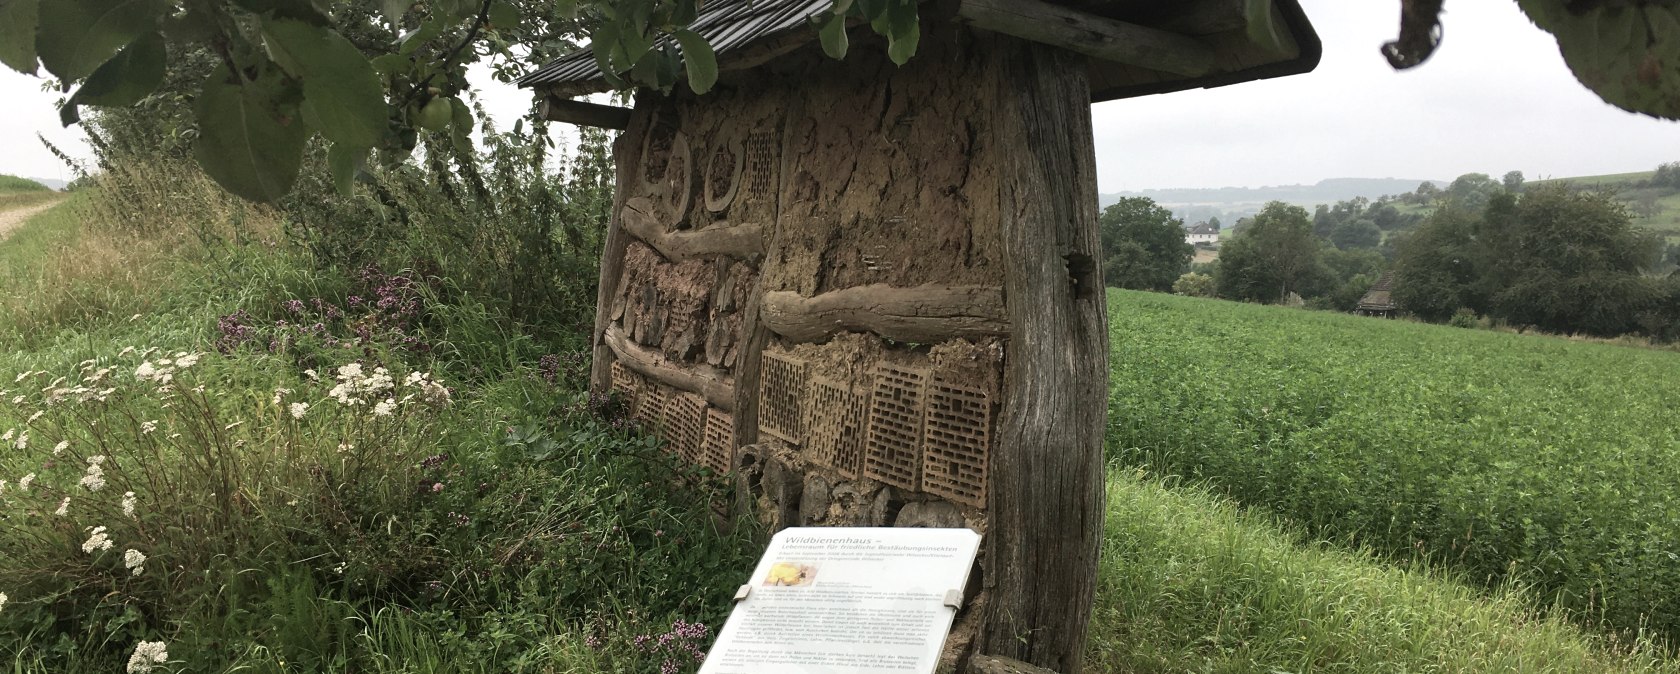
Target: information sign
847 601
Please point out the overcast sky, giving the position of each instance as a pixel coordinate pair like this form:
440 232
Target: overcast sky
1496 97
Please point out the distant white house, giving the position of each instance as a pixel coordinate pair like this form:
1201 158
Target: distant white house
1202 234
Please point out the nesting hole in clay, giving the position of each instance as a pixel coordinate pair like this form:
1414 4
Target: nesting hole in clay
651 411
893 448
627 384
723 175
957 442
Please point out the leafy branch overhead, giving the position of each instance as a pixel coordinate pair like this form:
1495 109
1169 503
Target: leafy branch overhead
370 76
1626 51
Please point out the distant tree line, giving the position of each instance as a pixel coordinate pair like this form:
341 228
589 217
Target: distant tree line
1545 255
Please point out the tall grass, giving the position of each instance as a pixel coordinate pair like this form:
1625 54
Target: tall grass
1508 457
11 183
1191 582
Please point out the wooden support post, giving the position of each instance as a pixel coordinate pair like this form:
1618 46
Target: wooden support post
1091 35
627 161
1047 480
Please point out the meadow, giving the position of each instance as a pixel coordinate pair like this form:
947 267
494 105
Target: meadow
1509 459
226 454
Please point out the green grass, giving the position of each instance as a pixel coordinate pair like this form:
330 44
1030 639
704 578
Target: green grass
570 549
544 538
1191 582
1503 456
10 183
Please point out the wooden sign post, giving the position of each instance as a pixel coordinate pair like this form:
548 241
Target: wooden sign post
871 292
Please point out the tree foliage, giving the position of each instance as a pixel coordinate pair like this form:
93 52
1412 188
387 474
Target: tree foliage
1143 245
1275 255
1555 258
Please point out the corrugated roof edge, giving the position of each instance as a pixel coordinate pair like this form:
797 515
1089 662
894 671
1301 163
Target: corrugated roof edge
1295 18
1312 50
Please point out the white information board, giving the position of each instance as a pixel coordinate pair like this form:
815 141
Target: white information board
847 601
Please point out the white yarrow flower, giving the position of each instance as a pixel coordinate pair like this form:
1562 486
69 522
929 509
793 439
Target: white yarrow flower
299 409
35 416
280 394
385 408
97 540
147 427
145 371
147 654
134 561
23 484
3 599
63 507
10 433
128 504
60 447
22 440
184 362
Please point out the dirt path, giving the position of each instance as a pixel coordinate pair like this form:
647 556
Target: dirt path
12 219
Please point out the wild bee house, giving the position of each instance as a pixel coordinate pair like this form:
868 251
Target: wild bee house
871 291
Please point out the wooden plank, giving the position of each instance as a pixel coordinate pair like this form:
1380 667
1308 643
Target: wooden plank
627 162
923 314
1091 35
715 385
584 113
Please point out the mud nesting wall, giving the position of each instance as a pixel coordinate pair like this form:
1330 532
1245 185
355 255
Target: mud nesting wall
806 292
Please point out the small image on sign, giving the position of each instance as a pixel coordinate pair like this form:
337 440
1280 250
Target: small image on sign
790 574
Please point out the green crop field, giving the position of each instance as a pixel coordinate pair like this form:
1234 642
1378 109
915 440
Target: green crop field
1505 457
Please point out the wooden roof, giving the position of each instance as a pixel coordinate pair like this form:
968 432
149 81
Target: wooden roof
1381 295
1247 39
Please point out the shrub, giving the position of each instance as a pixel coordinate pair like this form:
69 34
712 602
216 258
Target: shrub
1193 284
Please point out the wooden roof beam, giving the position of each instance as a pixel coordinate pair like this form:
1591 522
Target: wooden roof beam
584 113
1092 35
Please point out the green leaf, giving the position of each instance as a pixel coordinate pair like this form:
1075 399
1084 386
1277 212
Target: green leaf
345 161
298 10
18 19
412 40
1627 54
460 131
342 94
76 36
833 36
129 76
244 141
904 31
699 60
390 64
394 10
503 15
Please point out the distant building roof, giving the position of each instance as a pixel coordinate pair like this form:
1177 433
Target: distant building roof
1204 229
1381 295
731 26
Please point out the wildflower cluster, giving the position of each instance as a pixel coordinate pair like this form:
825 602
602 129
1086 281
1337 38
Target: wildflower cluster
384 309
678 645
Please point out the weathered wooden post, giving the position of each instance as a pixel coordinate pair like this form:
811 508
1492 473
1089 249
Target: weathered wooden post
872 291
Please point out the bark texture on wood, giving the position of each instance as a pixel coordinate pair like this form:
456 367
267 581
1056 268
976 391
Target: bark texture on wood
986 664
925 314
584 113
716 386
1046 504
737 241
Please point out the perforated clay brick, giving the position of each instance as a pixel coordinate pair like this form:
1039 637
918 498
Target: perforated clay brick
685 425
835 422
893 445
781 388
627 383
760 174
651 410
718 451
956 441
